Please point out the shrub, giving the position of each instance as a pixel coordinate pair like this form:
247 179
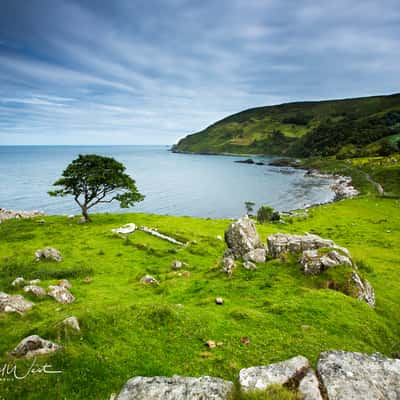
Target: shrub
267 214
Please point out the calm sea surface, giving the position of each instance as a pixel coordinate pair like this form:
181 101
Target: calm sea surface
175 184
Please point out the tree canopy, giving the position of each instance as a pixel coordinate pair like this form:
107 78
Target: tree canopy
92 179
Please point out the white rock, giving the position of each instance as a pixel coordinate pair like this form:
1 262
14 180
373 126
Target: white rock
73 323
17 282
33 346
126 229
309 387
36 290
14 303
61 294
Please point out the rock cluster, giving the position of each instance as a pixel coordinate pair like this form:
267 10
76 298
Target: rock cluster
14 303
33 346
49 253
11 214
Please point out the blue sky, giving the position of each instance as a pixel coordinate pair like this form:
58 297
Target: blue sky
151 72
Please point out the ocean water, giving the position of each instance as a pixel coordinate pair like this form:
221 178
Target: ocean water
174 184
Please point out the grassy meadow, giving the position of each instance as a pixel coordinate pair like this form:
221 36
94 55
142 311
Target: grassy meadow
128 328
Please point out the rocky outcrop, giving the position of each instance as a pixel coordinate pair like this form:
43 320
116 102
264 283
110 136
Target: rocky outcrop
346 376
33 346
14 303
365 290
11 214
256 255
313 262
242 237
175 388
282 373
281 243
49 253
35 290
61 294
344 188
126 229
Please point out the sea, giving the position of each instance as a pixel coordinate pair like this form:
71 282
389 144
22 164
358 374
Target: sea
207 186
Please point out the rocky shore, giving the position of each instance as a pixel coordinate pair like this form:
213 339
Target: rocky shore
11 214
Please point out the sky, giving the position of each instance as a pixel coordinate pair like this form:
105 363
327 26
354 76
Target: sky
152 71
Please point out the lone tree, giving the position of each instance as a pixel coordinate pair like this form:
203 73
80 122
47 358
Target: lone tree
94 179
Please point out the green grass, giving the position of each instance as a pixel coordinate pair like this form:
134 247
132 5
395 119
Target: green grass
130 329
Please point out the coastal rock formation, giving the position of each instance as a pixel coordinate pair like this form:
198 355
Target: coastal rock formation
72 322
36 290
61 294
49 253
14 303
343 188
347 375
175 388
282 373
281 243
313 262
126 229
11 214
309 387
33 346
242 237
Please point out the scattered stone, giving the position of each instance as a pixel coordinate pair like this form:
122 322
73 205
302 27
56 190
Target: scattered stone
64 283
176 388
365 290
155 233
73 323
281 243
82 220
87 279
33 346
347 375
11 214
219 301
219 237
313 262
34 281
282 373
249 266
245 340
228 265
17 282
36 290
242 237
256 255
61 294
71 216
48 253
149 280
177 264
126 229
14 303
211 344
309 387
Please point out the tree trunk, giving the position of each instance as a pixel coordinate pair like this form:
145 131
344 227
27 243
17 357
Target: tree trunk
85 214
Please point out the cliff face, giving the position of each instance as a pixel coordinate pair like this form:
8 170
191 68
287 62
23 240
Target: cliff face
347 128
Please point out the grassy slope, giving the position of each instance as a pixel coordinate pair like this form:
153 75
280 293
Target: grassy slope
129 329
250 131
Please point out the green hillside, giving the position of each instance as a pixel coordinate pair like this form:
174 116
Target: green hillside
352 127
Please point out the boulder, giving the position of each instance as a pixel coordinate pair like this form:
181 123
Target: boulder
242 237
282 373
256 255
126 229
18 282
177 264
249 266
149 280
219 301
49 253
313 262
14 303
365 290
36 290
176 388
309 387
72 322
33 346
347 375
61 294
281 243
